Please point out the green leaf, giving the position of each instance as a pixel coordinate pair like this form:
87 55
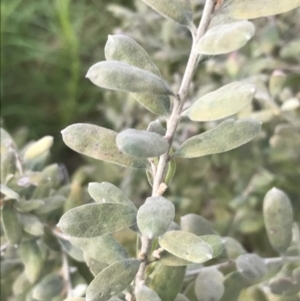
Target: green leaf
178 10
32 224
114 75
9 193
251 266
99 143
38 148
278 218
233 248
125 49
8 164
283 286
169 259
167 281
144 293
196 224
112 280
141 144
156 127
209 285
51 204
27 206
102 248
186 245
252 9
224 102
72 251
171 171
108 193
155 216
215 242
33 260
49 287
97 219
233 284
95 266
225 38
11 224
75 299
226 136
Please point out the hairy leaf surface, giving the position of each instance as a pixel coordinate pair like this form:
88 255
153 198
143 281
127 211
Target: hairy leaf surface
97 219
224 102
99 143
142 144
112 280
144 293
114 75
251 266
226 136
155 216
124 49
186 245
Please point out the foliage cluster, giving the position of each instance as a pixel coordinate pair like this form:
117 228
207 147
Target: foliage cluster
179 255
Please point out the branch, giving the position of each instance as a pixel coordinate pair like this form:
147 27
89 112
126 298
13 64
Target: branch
158 186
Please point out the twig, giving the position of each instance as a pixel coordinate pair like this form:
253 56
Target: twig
172 124
66 275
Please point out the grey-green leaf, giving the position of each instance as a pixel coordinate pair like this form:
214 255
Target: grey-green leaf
142 144
125 49
178 10
33 260
97 219
73 251
144 293
155 216
112 280
215 242
251 266
278 218
169 259
99 143
186 245
156 127
11 224
252 9
108 193
50 286
233 248
225 38
233 284
102 248
32 224
209 285
95 266
226 136
114 75
196 224
181 297
9 193
224 102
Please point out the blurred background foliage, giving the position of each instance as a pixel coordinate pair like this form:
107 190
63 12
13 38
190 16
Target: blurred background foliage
47 47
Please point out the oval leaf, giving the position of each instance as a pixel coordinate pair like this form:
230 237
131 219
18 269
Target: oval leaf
226 136
141 144
251 266
49 287
102 248
222 103
144 293
155 216
278 218
233 284
181 297
125 49
178 10
209 285
38 148
186 245
196 224
99 143
11 224
97 219
119 76
215 242
9 193
225 38
112 280
233 248
108 193
169 259
249 9
167 281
